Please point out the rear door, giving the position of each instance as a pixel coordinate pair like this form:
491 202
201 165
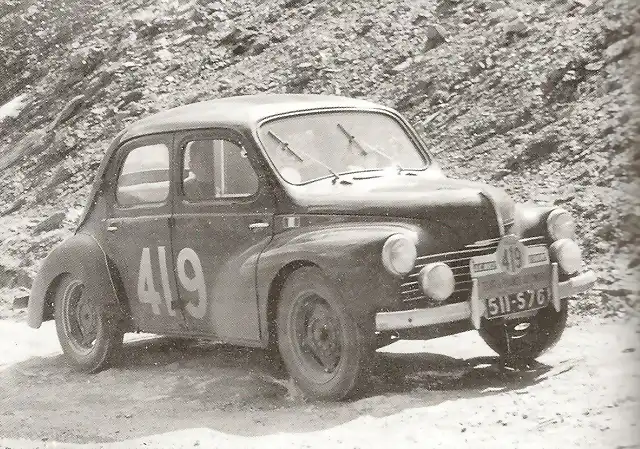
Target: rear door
138 234
223 214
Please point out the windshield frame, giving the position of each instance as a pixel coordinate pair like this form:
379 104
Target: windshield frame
418 144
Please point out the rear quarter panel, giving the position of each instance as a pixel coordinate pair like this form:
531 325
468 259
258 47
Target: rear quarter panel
80 255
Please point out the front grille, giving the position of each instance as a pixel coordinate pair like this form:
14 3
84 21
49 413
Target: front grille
411 293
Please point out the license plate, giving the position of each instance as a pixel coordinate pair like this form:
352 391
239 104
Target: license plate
517 302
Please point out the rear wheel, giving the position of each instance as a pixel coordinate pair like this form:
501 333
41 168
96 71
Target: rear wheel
521 341
324 349
88 335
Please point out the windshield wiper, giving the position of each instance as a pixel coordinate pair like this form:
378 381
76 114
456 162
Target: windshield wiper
285 146
354 140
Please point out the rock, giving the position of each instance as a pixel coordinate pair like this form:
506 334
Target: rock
617 292
50 223
101 80
261 43
500 173
564 199
402 66
603 247
60 175
21 300
293 3
606 232
31 144
85 60
594 66
13 108
17 204
501 14
14 276
365 26
515 27
182 39
436 35
164 55
617 50
592 8
132 96
439 96
68 111
420 18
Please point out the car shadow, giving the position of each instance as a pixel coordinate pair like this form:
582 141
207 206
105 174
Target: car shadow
234 390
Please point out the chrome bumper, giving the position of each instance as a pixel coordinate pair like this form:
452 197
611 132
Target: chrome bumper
474 309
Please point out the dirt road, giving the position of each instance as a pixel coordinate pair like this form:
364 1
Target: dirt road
449 392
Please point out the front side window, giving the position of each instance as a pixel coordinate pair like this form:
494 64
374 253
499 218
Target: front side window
314 146
217 168
144 177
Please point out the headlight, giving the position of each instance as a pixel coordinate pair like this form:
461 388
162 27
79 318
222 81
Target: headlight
399 255
437 281
567 253
560 225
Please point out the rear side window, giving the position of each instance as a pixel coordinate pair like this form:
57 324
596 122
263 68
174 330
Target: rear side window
144 177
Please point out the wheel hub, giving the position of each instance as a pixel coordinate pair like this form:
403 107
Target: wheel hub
321 335
81 319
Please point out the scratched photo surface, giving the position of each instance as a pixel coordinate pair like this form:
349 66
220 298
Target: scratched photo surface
319 224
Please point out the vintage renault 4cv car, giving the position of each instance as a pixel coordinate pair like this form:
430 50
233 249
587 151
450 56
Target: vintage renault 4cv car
321 226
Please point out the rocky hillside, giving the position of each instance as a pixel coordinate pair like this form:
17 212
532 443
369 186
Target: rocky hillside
540 97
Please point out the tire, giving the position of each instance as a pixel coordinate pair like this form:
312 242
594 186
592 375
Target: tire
324 349
544 331
90 337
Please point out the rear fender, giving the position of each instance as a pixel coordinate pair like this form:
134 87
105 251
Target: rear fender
80 256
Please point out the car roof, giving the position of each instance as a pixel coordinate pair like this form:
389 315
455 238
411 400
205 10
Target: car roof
244 111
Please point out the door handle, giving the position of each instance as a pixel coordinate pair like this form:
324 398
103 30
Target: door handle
258 225
112 228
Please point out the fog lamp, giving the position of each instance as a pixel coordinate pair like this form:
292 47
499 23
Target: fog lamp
437 281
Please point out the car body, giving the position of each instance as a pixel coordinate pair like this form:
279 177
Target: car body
205 219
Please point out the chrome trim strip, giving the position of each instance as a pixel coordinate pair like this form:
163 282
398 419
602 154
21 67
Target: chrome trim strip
471 248
477 305
407 319
473 309
555 296
577 284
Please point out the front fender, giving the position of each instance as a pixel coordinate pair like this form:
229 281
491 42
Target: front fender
348 253
530 220
82 256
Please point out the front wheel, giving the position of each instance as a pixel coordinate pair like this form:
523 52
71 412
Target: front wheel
88 335
523 340
324 349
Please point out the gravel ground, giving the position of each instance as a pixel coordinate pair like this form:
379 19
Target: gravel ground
448 392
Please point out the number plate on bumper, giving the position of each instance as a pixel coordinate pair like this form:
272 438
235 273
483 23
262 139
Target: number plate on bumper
518 302
500 284
503 290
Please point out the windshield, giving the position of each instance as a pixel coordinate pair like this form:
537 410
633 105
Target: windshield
319 145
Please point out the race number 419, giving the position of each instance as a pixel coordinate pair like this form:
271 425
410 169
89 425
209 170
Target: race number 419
148 294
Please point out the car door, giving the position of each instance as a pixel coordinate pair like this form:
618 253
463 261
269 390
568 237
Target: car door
222 216
137 232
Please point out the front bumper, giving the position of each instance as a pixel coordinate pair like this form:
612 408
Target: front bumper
474 309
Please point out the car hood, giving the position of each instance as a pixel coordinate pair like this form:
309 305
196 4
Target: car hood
467 207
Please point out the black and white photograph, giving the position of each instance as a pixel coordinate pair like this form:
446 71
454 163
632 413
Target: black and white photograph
351 224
